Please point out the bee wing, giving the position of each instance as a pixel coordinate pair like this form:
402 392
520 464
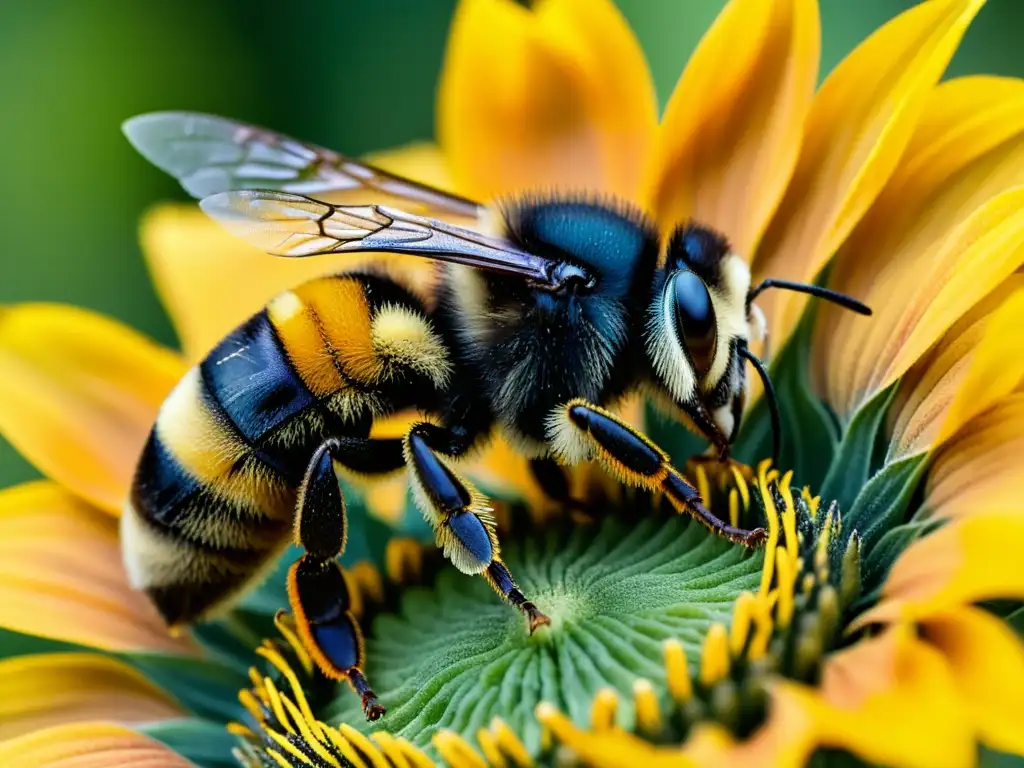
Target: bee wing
209 154
285 224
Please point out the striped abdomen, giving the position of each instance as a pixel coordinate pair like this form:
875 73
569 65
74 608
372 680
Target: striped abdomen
215 488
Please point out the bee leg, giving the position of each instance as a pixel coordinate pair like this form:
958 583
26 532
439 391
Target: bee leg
580 430
316 585
460 515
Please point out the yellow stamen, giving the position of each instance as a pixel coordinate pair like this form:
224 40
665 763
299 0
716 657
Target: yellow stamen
306 728
285 624
703 486
252 706
741 617
369 580
648 713
403 559
764 624
255 677
714 658
456 751
344 746
603 710
287 746
677 672
789 514
271 654
364 745
768 570
811 501
734 508
387 745
276 756
414 755
237 729
275 705
741 485
489 746
785 576
510 743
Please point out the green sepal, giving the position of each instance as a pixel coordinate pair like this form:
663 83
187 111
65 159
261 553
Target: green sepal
885 553
204 742
989 758
883 501
852 463
204 687
835 758
17 644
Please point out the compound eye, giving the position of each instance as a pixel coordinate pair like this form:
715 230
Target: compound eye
696 326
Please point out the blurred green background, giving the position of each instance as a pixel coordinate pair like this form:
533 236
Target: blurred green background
354 76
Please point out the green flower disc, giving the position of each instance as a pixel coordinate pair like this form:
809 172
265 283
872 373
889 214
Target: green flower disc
454 656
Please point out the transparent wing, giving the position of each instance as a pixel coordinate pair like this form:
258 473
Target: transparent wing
297 226
209 154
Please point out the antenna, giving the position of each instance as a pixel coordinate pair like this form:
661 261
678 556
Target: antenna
773 403
847 302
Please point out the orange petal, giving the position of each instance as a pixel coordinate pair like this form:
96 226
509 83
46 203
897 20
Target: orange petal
987 661
88 745
210 281
61 574
78 395
968 148
731 132
975 365
979 468
52 689
555 95
892 700
971 559
856 131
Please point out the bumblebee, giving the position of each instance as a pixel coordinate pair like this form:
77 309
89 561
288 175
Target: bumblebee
546 313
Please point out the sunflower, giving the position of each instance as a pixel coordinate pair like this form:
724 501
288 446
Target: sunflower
879 624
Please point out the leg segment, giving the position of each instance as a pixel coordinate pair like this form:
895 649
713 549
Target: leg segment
581 430
316 585
459 514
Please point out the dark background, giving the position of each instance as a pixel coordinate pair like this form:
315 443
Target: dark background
354 76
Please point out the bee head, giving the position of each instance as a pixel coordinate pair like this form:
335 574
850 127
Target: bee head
697 325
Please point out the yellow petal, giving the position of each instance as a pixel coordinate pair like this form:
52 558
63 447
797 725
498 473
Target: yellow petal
987 661
980 467
52 689
210 281
554 95
61 574
976 364
858 126
88 745
968 148
892 700
78 395
971 559
731 132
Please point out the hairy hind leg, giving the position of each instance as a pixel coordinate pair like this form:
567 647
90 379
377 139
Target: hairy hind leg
579 430
460 515
316 585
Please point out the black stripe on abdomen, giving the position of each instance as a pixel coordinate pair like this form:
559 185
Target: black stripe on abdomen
250 380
